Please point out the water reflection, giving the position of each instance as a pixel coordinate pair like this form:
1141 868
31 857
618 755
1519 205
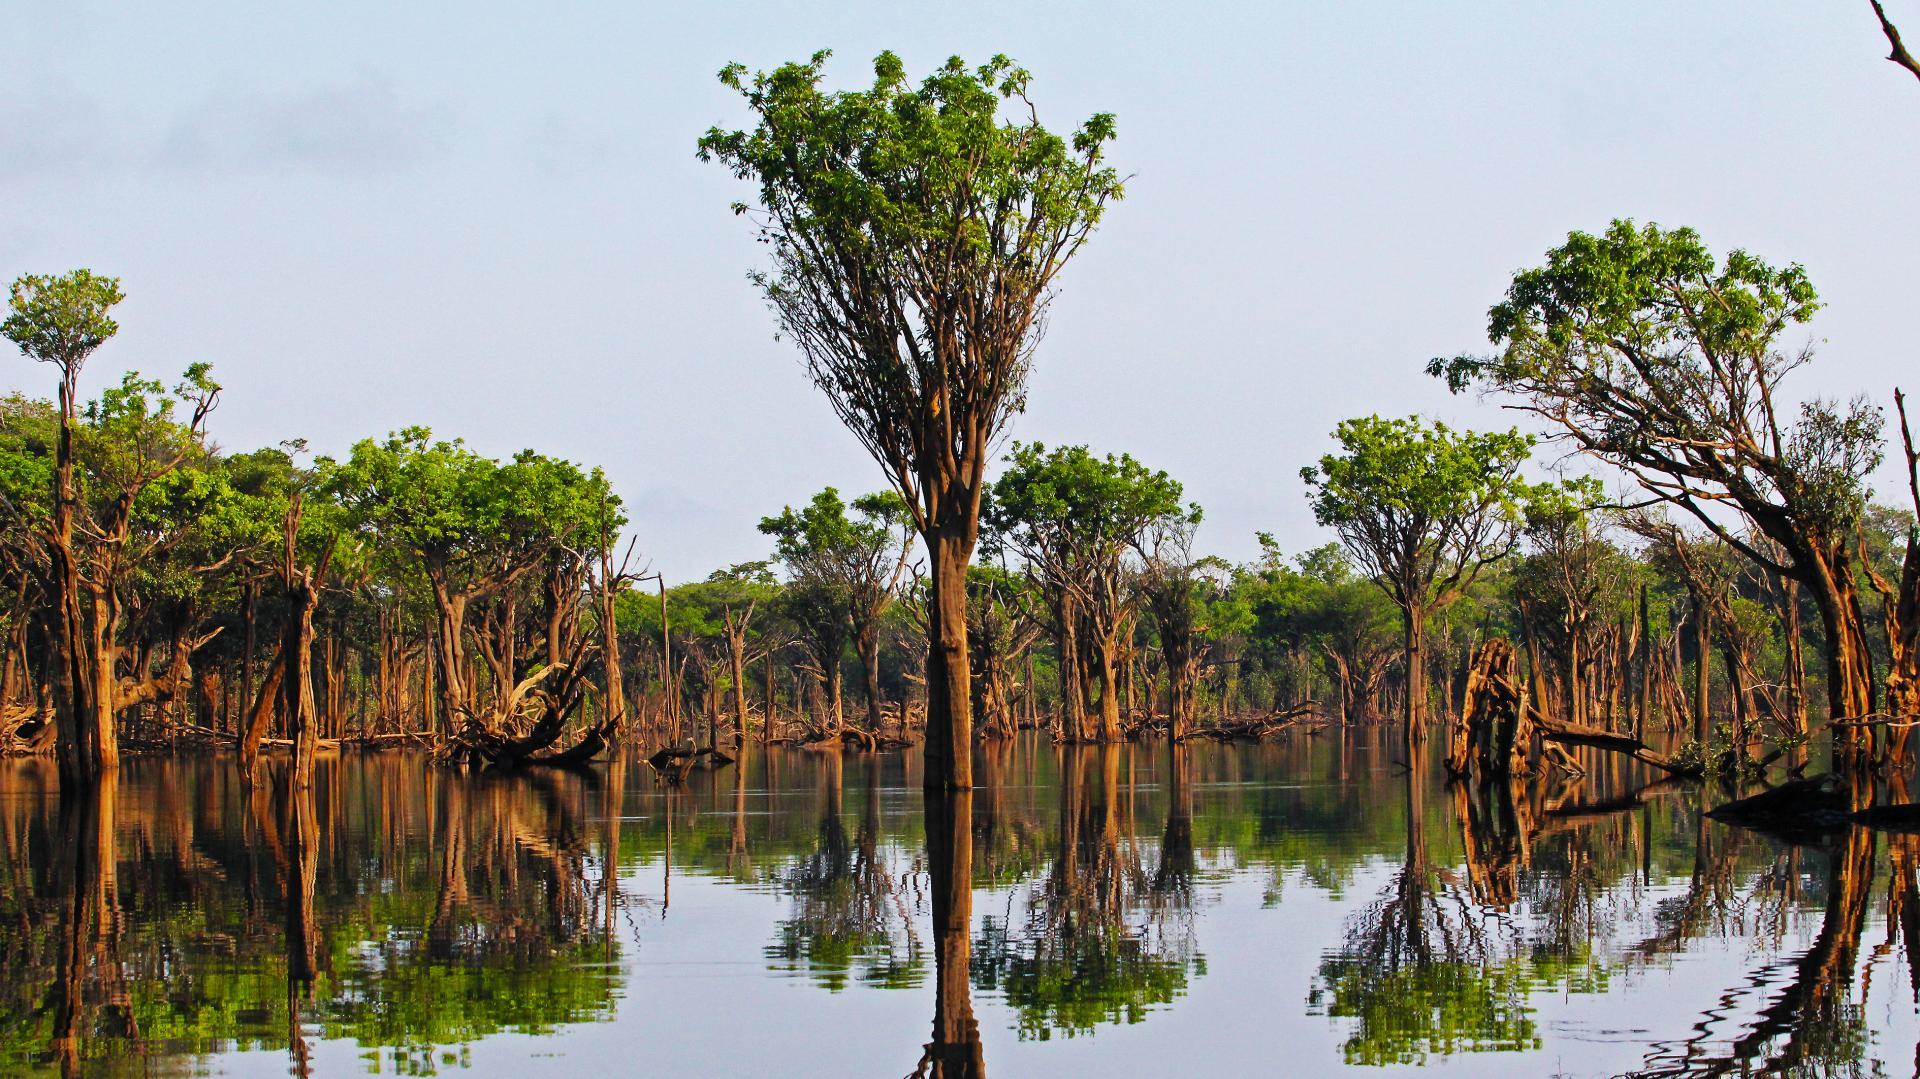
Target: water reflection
955 1051
1089 941
850 918
399 917
172 914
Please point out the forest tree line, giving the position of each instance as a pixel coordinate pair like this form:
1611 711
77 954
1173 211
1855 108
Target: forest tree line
416 590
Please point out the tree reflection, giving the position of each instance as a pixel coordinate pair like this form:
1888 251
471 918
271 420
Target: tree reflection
1095 946
1419 972
1496 831
955 1051
460 909
1815 1025
88 997
849 918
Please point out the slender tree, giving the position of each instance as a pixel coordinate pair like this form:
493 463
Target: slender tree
917 234
110 509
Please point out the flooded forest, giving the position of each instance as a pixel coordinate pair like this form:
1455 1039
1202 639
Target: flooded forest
1578 746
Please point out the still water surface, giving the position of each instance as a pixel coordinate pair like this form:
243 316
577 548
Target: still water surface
1304 907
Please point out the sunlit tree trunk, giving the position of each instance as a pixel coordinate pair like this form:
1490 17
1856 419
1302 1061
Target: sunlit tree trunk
949 746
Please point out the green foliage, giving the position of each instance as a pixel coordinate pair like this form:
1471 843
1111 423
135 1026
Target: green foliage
1069 499
1421 508
1407 1015
915 234
821 542
61 319
464 515
1648 351
1071 986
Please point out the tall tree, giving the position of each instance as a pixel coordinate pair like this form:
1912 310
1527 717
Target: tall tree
917 234
1422 509
1642 349
116 499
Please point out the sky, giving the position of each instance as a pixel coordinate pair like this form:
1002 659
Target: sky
489 219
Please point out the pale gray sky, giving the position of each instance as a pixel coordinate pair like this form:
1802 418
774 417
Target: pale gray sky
488 218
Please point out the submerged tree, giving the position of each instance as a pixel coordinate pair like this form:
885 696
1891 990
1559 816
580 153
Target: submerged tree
1422 510
1642 349
917 235
116 498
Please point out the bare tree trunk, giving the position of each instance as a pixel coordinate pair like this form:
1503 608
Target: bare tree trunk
1109 689
1796 659
1643 703
1703 670
1414 623
867 643
949 748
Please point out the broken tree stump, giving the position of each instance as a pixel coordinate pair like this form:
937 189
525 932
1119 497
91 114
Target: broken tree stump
1494 734
1497 726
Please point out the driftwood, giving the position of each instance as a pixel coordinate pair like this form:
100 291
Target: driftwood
827 738
383 741
1253 730
674 762
1803 806
597 740
1810 808
1572 734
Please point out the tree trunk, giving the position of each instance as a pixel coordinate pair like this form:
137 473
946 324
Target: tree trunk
1796 660
259 714
1073 702
1703 670
1849 660
1643 703
1414 620
737 651
1178 648
867 643
949 748
296 685
1109 689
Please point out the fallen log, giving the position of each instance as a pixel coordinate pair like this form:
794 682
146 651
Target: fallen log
379 741
595 741
1574 734
1253 730
1799 807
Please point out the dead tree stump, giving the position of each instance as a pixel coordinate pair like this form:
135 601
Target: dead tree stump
1495 732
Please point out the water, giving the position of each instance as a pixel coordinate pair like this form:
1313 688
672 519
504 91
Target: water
1305 906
